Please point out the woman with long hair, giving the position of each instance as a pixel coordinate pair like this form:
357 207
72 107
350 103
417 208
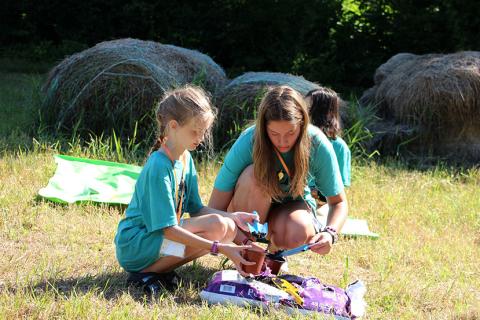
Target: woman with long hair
269 170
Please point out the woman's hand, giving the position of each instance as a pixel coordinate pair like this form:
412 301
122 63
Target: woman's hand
322 243
234 253
242 218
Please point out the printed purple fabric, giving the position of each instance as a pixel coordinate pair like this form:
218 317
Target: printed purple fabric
320 297
232 288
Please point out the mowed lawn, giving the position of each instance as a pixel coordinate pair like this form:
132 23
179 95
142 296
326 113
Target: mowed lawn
58 261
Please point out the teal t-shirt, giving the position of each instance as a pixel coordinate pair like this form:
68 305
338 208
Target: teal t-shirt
344 158
324 173
153 208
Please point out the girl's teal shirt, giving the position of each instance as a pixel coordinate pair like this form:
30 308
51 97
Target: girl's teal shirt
153 208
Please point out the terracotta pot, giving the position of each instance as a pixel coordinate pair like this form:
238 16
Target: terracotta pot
254 256
274 263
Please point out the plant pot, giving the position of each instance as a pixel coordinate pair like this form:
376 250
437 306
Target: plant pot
254 256
274 263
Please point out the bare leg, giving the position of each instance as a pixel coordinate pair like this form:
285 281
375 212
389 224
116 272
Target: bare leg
248 196
290 225
211 226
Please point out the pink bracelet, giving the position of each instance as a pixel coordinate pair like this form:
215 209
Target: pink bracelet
214 248
333 232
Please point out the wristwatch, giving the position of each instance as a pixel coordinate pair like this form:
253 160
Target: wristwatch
214 248
333 232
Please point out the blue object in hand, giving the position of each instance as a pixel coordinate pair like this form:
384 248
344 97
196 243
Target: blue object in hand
258 230
286 253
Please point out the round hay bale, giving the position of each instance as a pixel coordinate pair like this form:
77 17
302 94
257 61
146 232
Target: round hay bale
115 84
387 68
239 100
436 95
382 72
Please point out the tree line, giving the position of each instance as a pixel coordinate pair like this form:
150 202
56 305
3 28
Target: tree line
338 43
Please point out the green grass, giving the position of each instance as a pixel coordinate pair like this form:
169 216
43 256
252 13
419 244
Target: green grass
58 261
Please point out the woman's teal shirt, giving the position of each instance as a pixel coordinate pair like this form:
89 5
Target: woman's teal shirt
153 208
324 173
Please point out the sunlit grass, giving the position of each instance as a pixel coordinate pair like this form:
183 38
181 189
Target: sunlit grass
59 260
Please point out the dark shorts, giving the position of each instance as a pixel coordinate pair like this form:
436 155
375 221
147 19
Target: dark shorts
317 225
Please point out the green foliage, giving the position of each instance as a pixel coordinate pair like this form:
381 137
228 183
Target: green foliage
43 51
334 42
20 100
357 131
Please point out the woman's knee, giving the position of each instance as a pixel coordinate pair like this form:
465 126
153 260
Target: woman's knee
293 240
247 179
290 240
291 230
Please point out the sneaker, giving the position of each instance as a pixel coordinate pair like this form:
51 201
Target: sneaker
152 282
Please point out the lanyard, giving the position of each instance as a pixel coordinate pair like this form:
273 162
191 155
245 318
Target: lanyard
314 192
180 188
282 162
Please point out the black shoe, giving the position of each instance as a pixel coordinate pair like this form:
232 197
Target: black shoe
152 282
171 279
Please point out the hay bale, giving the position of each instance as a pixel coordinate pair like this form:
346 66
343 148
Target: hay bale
115 84
239 100
387 68
368 97
435 95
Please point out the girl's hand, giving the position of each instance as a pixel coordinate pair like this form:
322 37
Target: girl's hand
256 247
242 218
322 243
234 253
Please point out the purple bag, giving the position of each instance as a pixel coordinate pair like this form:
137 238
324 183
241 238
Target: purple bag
229 287
319 297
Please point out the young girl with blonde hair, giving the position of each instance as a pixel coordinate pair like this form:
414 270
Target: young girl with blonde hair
270 168
153 239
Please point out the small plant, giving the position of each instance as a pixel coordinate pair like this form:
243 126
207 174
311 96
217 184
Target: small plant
360 118
200 78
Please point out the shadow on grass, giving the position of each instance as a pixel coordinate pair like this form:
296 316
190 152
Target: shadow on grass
38 200
113 285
